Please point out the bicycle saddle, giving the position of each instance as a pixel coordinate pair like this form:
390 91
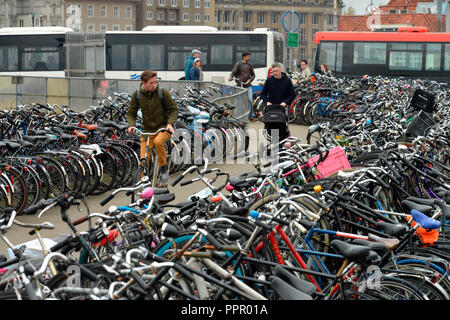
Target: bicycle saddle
426 209
350 251
378 247
391 229
286 291
164 198
232 211
299 284
424 221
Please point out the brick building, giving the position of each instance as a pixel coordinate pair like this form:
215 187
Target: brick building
395 14
316 15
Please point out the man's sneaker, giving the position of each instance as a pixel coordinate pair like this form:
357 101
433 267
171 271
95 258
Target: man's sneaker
164 175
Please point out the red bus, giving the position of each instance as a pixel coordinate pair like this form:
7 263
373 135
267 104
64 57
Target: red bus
411 52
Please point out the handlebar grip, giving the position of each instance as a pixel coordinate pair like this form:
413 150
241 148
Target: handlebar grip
81 220
107 199
61 244
33 209
88 273
177 179
241 229
214 241
138 279
184 183
280 221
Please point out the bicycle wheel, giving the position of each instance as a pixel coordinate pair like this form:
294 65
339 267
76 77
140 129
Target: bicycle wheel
18 187
390 288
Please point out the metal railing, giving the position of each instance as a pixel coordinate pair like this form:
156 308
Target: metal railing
81 93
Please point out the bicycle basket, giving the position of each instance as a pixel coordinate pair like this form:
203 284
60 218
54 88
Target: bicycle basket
422 100
419 124
335 161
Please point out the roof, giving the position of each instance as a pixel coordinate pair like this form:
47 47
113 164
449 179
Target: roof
362 23
410 5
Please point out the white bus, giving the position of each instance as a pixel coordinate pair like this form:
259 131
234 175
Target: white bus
33 51
165 49
40 51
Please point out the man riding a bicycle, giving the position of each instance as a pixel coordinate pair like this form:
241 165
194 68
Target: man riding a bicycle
157 113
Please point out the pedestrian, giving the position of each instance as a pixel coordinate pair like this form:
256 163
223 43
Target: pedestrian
196 72
158 111
278 90
244 74
325 69
190 62
306 73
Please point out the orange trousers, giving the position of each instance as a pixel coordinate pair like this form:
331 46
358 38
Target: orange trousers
157 142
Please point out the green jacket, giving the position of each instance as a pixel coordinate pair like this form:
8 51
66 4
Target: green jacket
154 115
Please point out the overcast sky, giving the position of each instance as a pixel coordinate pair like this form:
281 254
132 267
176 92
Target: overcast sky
361 5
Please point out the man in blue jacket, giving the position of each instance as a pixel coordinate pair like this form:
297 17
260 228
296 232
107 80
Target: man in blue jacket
190 62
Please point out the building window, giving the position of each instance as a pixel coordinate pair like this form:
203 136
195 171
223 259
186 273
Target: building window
90 10
186 3
330 19
207 4
247 29
274 17
197 3
116 12
217 14
174 3
128 28
102 27
149 2
128 12
162 3
186 16
197 17
314 33
315 18
226 16
159 15
302 36
207 18
302 53
103 11
247 17
149 15
116 27
91 28
302 18
261 17
171 16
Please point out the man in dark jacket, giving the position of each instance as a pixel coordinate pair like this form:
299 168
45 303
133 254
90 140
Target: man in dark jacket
156 114
278 90
244 74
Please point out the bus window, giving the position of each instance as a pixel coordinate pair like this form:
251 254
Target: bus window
433 57
144 56
369 53
278 48
38 58
222 54
258 53
119 57
177 56
405 56
447 58
9 58
331 54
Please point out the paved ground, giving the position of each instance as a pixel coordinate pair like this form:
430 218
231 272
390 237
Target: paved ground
19 235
